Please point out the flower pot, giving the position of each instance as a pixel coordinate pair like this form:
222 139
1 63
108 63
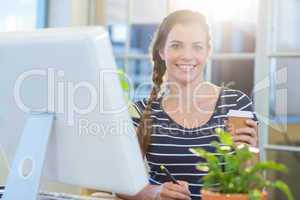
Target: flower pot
208 195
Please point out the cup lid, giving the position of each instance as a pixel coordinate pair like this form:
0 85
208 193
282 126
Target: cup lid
240 113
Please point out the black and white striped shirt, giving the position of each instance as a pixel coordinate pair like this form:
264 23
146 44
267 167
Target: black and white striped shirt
170 142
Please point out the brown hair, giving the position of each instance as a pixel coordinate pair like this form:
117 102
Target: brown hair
144 129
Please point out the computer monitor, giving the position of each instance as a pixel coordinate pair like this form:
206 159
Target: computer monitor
63 82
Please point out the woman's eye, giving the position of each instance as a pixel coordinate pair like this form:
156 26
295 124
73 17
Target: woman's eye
175 46
198 47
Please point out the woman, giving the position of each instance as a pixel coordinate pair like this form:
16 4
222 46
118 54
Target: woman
187 115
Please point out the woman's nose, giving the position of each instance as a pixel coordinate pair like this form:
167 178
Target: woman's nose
187 53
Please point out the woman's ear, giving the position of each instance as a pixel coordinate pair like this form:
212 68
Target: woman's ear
161 54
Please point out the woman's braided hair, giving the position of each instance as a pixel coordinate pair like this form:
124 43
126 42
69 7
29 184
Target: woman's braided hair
144 129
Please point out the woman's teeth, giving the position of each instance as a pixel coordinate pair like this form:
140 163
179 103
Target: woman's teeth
186 67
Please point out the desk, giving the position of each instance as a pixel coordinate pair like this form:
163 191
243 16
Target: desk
64 196
104 196
98 194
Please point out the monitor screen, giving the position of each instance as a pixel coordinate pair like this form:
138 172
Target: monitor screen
71 73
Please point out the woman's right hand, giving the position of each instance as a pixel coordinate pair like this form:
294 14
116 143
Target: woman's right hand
172 191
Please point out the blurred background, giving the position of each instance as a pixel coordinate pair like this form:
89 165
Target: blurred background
255 49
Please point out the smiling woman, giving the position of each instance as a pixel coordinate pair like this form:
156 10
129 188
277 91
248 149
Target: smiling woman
170 123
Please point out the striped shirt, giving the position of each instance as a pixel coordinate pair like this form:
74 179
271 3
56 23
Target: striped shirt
170 141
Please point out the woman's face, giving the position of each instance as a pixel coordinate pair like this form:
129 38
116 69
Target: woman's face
185 53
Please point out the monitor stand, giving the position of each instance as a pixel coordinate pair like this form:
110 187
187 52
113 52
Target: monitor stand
24 177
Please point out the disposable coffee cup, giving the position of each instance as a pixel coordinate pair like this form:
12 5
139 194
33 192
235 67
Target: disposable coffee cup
237 119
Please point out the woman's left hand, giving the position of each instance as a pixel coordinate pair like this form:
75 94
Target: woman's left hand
247 135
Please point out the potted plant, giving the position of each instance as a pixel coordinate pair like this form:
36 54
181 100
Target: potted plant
236 180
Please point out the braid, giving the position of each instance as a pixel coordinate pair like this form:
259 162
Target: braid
144 130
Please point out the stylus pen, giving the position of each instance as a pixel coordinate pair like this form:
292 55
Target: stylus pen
169 175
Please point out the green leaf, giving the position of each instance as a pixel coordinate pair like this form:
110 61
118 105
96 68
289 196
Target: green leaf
254 195
212 160
122 78
133 111
202 167
215 144
212 180
199 152
243 155
267 165
283 187
124 85
224 136
232 164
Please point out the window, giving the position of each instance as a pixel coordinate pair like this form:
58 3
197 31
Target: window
285 97
284 63
131 34
286 25
235 74
22 15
